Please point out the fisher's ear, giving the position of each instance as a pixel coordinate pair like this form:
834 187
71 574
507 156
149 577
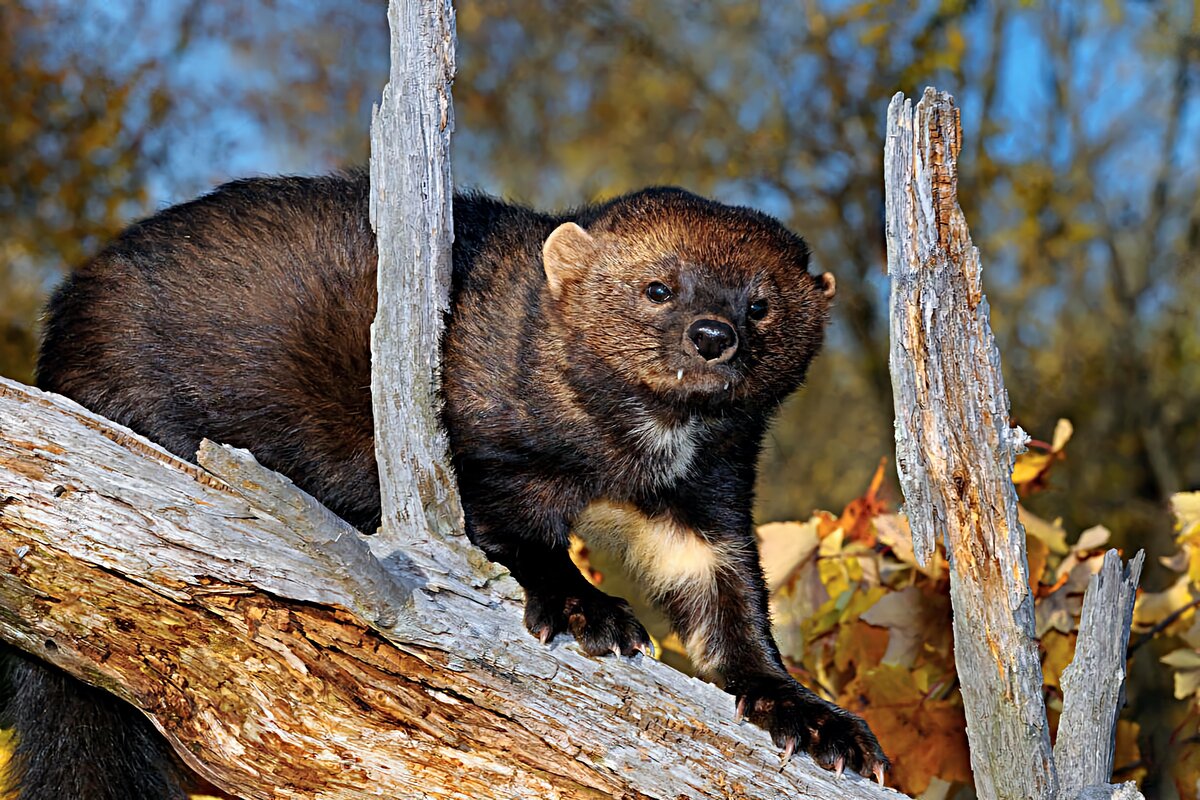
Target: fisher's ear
567 254
828 285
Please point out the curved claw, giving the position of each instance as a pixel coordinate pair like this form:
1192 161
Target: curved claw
740 713
616 650
647 648
789 748
840 765
879 773
544 635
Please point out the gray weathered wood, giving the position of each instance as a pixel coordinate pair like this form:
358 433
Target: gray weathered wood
955 449
411 210
954 455
373 593
209 608
1093 683
1125 791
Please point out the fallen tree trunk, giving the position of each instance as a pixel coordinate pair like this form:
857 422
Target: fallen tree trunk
954 453
283 660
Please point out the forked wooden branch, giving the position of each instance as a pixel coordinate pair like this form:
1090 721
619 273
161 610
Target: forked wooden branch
954 453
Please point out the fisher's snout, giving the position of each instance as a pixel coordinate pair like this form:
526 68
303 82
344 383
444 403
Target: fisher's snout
713 338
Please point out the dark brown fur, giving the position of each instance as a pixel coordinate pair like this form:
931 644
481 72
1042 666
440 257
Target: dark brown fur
244 317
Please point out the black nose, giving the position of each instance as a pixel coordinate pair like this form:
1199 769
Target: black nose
714 340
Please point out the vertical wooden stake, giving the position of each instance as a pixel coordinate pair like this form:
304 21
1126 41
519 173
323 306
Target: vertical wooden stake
954 453
411 205
955 449
1093 683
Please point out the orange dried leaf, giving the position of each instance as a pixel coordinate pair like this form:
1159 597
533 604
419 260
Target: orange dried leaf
856 518
860 646
925 738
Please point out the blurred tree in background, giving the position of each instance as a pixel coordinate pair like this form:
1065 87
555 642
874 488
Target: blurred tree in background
1080 176
110 109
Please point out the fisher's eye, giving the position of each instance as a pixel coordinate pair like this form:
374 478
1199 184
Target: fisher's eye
758 309
659 292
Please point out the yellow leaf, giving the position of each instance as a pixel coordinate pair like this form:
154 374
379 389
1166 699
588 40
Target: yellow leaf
1152 608
1052 534
1062 435
1059 650
1029 466
838 572
669 644
1186 683
1186 508
1127 752
1183 658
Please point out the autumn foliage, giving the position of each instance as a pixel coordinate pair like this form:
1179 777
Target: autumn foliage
862 623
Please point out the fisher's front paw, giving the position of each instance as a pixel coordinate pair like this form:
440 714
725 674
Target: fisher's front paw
600 623
799 720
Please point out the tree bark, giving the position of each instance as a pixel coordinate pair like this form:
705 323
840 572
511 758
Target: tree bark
954 454
411 211
1093 684
255 629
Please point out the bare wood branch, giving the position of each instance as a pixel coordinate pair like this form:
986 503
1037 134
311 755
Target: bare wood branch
374 594
1125 791
955 450
411 210
1094 682
226 616
954 453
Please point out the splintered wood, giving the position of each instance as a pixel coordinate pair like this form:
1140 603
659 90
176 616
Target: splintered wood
256 631
954 454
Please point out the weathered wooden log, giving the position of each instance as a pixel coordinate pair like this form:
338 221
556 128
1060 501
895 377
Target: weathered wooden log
254 629
1125 791
412 213
954 453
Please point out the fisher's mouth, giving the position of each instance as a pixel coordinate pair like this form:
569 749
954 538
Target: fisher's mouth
697 378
